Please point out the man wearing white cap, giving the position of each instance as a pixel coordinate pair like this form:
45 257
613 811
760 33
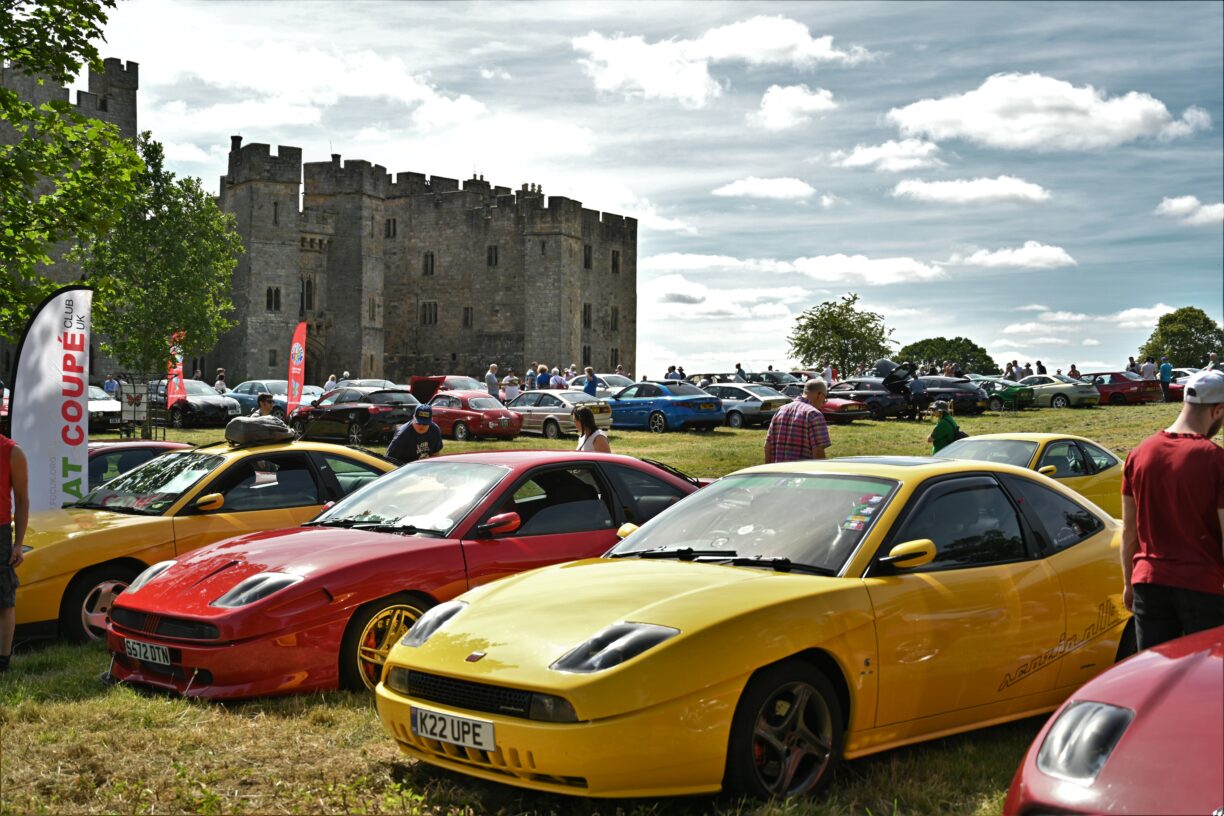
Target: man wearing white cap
1173 520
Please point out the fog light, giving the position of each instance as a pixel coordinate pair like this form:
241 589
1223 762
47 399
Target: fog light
548 708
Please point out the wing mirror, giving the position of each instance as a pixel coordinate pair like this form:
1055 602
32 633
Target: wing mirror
910 554
501 524
1048 470
625 529
209 502
314 403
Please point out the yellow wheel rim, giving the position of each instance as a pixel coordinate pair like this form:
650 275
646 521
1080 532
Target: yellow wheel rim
382 632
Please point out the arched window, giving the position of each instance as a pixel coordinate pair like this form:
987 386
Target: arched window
309 294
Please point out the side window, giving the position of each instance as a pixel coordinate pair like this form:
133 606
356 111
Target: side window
267 484
642 497
1063 522
649 390
1066 458
348 473
971 521
566 500
1101 459
550 401
349 395
330 399
631 392
527 399
842 388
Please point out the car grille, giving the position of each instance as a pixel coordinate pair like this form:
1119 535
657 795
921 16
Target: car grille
168 627
468 695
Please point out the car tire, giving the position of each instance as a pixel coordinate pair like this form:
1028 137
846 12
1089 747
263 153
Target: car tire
279 413
298 426
461 432
176 418
657 423
769 728
1117 399
1060 401
374 628
88 600
735 420
354 433
876 410
551 429
996 404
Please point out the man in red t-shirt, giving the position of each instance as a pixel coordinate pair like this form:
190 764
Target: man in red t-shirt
1173 520
14 512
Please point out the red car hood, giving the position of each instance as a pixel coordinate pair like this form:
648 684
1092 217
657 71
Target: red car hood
835 404
190 586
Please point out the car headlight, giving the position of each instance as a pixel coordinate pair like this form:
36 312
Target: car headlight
255 588
149 574
613 646
1081 740
431 622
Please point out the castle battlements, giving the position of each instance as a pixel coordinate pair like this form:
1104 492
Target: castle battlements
255 162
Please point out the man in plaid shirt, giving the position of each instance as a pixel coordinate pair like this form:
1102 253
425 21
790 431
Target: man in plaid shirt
798 431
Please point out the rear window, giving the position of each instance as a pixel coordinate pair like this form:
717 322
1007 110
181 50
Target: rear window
392 398
483 404
685 390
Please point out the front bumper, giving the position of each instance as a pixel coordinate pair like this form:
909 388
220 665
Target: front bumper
675 748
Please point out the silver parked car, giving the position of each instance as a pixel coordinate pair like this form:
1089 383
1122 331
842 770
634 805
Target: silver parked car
551 412
749 403
605 384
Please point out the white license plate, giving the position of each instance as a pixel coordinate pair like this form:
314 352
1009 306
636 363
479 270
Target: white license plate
149 652
455 730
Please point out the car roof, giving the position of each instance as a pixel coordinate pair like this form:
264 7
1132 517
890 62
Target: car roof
1034 437
530 458
223 447
138 443
899 468
468 394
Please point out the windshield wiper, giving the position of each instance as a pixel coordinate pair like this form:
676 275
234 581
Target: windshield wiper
778 564
337 522
110 508
405 529
680 553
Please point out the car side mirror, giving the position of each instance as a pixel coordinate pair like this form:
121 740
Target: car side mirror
209 502
1048 470
314 403
911 554
625 529
501 524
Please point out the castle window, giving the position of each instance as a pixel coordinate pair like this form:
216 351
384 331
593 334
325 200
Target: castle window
468 318
427 264
615 262
391 228
304 243
491 255
273 301
272 357
586 256
613 357
429 314
275 212
586 317
312 243
586 356
372 308
302 296
543 247
614 323
309 294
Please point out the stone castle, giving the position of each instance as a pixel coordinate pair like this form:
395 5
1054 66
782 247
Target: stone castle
402 275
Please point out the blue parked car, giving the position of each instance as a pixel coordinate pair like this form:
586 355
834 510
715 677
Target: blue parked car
665 405
247 394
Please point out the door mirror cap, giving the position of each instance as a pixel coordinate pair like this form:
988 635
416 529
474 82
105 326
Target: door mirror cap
626 529
501 524
1048 470
911 554
209 502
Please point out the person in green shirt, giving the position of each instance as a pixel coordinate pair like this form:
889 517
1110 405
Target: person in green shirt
945 429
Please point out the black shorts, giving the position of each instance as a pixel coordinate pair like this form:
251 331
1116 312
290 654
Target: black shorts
8 576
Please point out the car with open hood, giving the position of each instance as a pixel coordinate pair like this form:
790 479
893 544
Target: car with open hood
781 619
311 608
81 557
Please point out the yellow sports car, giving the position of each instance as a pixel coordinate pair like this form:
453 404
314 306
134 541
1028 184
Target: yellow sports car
1081 464
79 558
765 627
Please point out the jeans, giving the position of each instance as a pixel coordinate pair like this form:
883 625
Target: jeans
1163 613
1164 389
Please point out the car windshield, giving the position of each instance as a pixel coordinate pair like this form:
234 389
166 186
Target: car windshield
277 388
431 495
484 404
682 389
1130 375
195 388
812 519
96 393
762 390
464 384
781 376
151 488
615 380
1008 451
391 398
1063 378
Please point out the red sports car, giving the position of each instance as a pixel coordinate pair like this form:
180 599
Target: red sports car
472 414
321 605
1146 736
1124 387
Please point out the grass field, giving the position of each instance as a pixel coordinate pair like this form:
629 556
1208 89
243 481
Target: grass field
69 744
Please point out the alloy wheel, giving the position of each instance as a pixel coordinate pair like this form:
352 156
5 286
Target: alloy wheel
382 632
97 605
792 741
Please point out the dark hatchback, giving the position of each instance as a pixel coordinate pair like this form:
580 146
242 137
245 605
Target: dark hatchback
202 405
881 402
961 393
356 415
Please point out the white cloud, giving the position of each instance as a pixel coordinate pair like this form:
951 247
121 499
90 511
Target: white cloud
185 152
1142 317
753 187
495 73
1189 210
828 201
1036 112
972 191
1025 328
853 269
1007 343
693 262
783 108
685 298
1088 341
890 157
680 69
1067 317
1032 255
1052 323
1033 307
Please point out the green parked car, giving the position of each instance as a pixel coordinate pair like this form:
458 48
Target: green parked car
1005 394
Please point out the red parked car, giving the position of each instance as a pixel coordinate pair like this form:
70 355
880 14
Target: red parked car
1146 736
1123 387
467 415
318 606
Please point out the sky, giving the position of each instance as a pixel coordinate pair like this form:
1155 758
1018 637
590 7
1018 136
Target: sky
1046 179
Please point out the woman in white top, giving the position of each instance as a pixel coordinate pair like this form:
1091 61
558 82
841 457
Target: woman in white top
511 385
590 438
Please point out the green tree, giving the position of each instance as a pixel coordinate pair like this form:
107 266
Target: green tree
1185 336
971 357
839 332
62 175
166 267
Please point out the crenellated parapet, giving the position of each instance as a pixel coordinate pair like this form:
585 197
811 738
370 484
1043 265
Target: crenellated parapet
256 162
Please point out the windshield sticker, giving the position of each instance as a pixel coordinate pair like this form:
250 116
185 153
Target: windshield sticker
853 525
